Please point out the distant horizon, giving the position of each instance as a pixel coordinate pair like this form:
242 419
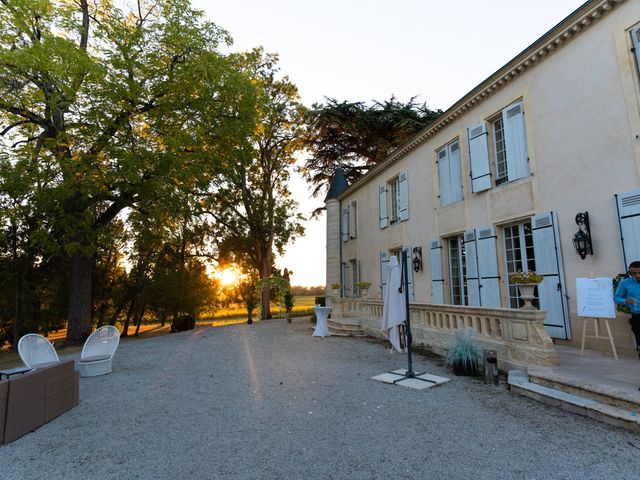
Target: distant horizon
370 50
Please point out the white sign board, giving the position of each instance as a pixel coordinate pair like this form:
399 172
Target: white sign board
595 297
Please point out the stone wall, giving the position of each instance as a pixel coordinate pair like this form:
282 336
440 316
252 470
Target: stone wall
518 336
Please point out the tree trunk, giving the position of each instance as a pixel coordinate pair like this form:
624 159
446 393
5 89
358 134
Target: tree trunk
17 310
18 291
265 272
36 306
163 318
116 315
79 326
139 319
125 329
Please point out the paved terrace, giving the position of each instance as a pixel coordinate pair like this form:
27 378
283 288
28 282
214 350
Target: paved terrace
268 401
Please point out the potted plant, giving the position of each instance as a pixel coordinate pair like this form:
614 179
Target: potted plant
336 288
363 287
526 283
463 355
287 300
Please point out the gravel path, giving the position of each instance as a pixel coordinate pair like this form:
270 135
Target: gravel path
268 401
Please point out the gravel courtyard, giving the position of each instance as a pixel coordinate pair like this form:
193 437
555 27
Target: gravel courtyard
268 401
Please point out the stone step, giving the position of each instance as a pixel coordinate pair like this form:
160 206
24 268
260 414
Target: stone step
346 328
597 409
595 391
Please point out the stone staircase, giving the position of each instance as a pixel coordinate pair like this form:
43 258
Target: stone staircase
614 406
346 327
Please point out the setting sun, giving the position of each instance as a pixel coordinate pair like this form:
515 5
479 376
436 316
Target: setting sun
228 276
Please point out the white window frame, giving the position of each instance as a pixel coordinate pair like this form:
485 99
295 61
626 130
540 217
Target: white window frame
457 271
510 151
394 195
355 277
519 255
394 199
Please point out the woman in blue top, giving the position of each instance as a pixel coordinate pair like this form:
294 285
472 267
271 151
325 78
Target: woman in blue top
628 293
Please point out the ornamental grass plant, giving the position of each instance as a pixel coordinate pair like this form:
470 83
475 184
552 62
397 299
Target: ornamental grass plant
463 355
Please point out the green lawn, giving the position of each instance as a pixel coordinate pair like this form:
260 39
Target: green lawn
302 306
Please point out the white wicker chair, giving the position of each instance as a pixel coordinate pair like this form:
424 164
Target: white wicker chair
35 350
98 352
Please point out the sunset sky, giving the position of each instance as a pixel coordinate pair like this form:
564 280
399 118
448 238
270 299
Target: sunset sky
363 50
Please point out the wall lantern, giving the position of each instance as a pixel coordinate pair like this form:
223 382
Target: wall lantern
582 238
417 259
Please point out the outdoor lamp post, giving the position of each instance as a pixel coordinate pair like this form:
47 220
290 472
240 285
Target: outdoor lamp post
582 238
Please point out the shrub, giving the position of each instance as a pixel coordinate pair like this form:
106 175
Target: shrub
182 323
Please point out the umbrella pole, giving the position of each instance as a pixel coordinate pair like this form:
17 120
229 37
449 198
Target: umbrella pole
405 280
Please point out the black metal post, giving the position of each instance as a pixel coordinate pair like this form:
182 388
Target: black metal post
407 325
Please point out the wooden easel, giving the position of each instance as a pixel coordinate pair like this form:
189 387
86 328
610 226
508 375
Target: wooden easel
597 335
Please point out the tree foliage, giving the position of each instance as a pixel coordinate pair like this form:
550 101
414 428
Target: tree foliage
357 136
96 110
253 212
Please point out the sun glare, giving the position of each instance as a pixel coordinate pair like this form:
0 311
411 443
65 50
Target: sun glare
228 276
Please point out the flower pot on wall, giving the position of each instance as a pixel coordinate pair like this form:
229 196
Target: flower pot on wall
527 295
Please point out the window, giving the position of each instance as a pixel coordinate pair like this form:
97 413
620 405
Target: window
449 174
510 153
394 200
457 271
394 197
355 277
500 151
518 247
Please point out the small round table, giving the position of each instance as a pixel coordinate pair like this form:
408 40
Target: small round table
322 328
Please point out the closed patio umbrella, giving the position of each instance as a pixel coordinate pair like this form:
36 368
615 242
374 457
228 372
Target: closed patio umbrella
394 310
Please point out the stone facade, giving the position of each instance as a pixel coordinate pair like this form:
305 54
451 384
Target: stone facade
575 98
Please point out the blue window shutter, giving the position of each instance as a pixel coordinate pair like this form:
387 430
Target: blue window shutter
515 142
444 178
473 282
384 268
628 204
635 38
384 216
455 174
404 195
353 215
487 251
548 257
479 158
345 224
437 280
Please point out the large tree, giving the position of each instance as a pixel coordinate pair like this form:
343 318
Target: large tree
97 104
356 136
254 213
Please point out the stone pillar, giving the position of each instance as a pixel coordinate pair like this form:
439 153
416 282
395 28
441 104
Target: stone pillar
333 246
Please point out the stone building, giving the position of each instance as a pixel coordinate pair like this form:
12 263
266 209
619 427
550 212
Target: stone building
495 184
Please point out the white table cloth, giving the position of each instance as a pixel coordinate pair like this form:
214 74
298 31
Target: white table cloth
322 328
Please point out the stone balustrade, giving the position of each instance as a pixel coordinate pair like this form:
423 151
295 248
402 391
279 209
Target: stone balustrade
518 336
